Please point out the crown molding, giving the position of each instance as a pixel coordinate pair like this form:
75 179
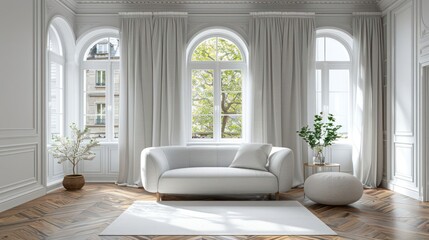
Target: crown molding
277 2
220 6
386 4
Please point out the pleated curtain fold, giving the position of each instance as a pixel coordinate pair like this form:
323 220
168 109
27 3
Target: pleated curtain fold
367 127
282 61
151 92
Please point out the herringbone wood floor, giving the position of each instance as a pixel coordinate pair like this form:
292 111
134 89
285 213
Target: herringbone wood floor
380 214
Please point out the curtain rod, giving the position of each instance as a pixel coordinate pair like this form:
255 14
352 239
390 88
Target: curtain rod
225 14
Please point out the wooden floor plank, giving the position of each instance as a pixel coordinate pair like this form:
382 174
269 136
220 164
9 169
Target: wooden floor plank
380 214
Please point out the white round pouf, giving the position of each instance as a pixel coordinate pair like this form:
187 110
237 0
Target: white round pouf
333 188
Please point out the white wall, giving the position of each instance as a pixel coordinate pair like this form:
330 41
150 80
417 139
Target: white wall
21 118
423 20
407 28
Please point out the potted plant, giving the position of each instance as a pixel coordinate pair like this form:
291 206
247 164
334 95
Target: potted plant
74 149
323 135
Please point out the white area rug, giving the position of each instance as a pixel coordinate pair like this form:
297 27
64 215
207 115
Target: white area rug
217 218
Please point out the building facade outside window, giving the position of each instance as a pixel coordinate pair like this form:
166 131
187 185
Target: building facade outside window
216 71
101 78
100 74
333 83
101 114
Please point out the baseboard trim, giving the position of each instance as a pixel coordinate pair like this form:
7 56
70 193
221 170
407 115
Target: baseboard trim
22 197
402 190
55 185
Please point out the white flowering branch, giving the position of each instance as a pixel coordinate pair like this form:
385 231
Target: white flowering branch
74 149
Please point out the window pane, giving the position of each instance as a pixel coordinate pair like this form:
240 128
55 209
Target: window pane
114 48
319 102
318 80
54 43
202 92
339 80
101 114
99 51
231 103
320 49
338 105
231 126
339 96
116 74
335 51
231 99
318 90
202 103
205 51
55 100
100 80
95 104
202 126
228 51
231 80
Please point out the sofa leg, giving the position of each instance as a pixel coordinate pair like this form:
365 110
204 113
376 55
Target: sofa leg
277 196
158 197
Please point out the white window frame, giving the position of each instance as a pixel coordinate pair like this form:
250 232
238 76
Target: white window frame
217 66
109 66
325 66
59 59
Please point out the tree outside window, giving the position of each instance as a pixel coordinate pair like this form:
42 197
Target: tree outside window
217 72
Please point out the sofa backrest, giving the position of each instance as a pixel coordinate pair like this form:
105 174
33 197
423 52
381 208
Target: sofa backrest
199 156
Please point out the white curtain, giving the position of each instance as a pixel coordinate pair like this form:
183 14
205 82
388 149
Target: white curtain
169 45
367 131
151 80
281 65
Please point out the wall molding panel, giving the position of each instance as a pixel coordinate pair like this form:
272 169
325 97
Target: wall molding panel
403 161
21 172
403 166
18 155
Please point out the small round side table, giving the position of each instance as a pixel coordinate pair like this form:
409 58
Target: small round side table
315 168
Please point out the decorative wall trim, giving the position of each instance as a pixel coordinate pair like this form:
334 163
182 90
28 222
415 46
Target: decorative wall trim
25 142
268 2
34 130
402 190
423 6
405 146
22 197
366 14
218 6
21 149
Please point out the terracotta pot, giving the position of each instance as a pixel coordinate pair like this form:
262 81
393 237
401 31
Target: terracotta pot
73 182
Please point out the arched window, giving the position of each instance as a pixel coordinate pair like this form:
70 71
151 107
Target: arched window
217 71
333 66
55 85
100 74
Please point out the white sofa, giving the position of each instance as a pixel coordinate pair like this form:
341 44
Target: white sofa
203 170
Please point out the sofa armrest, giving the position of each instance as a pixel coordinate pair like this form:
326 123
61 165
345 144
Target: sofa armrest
281 164
153 164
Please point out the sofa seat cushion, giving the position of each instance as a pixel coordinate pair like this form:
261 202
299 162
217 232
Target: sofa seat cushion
217 180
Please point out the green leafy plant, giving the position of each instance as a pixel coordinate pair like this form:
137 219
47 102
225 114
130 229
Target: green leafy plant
323 133
74 149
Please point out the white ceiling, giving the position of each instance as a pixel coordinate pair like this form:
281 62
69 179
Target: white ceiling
222 6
